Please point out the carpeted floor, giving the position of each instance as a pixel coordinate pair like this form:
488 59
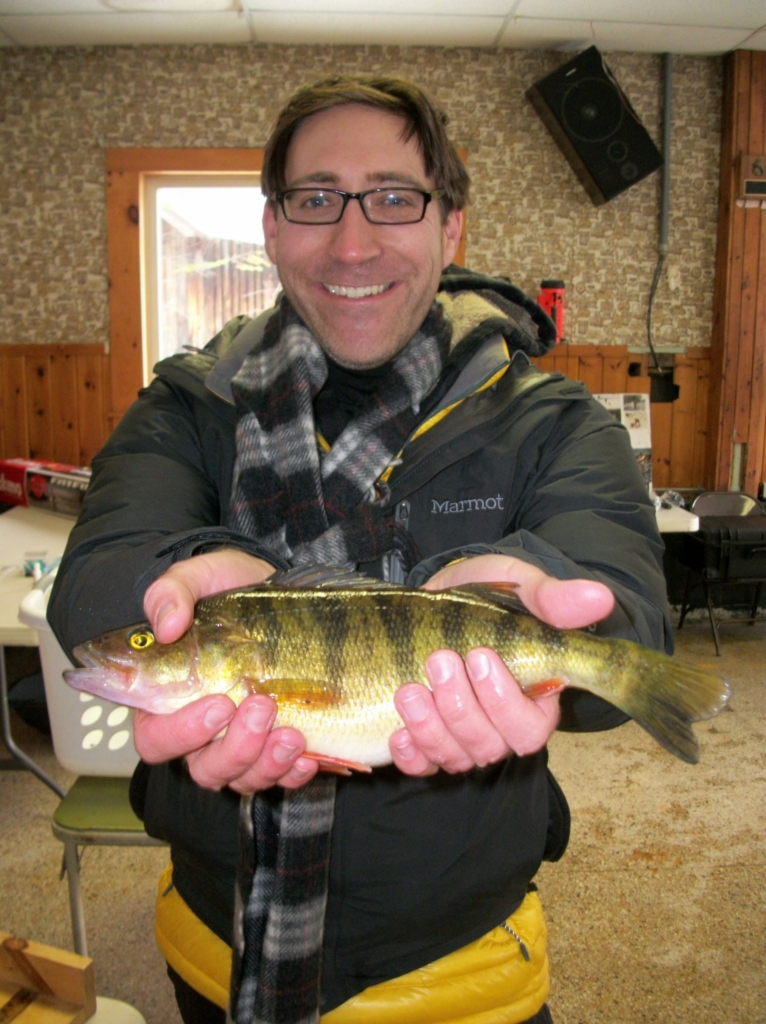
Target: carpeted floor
656 912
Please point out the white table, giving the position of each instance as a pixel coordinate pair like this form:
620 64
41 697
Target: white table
22 531
677 520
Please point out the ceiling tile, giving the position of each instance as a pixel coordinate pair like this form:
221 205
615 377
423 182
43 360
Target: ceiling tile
168 6
713 13
545 34
375 29
432 8
51 7
756 41
666 38
124 29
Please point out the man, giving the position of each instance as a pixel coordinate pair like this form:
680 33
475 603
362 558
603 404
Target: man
387 417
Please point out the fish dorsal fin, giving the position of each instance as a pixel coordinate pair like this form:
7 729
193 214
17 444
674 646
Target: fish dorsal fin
327 577
501 593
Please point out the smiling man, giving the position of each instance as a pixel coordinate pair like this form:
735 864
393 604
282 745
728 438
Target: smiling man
363 288
385 415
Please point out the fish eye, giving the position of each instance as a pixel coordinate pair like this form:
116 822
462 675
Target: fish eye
141 639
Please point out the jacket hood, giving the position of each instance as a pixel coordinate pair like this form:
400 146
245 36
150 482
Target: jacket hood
478 304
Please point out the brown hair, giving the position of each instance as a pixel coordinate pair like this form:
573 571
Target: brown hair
395 95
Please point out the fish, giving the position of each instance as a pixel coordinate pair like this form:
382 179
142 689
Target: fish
332 646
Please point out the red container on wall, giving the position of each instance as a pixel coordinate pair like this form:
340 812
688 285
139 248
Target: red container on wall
551 298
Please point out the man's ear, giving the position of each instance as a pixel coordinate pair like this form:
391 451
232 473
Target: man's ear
270 230
452 229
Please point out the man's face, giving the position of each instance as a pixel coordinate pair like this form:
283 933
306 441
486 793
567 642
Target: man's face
363 289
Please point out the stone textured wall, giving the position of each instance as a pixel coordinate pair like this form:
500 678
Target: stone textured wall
530 218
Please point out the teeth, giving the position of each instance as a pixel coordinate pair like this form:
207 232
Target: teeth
356 293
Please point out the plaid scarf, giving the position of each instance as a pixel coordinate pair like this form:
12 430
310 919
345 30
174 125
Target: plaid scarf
309 506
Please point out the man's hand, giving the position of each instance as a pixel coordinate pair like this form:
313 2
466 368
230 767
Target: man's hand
250 755
475 713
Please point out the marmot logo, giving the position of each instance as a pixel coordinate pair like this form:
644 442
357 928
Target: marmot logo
467 505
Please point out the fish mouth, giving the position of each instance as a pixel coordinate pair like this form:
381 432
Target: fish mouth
362 292
85 658
99 676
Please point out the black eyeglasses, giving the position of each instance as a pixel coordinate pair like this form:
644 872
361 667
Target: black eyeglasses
379 205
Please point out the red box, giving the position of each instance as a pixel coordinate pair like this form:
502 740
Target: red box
51 486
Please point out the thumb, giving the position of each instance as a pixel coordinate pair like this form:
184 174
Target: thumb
169 606
570 604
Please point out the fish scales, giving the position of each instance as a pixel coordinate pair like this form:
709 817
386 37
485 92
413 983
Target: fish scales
333 647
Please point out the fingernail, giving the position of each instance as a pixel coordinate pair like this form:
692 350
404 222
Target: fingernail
284 751
479 665
258 717
299 771
405 749
164 612
440 670
217 716
415 707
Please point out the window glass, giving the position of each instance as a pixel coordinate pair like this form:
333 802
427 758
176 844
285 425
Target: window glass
204 259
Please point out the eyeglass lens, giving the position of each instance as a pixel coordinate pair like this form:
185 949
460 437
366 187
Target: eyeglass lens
381 206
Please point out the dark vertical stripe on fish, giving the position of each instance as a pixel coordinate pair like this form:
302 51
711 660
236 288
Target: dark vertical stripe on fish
398 628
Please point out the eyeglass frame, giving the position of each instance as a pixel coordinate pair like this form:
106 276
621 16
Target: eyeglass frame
279 197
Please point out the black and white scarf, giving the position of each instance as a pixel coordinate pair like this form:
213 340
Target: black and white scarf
309 505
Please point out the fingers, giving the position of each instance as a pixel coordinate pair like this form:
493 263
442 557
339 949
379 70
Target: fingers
524 724
566 604
169 601
475 714
249 756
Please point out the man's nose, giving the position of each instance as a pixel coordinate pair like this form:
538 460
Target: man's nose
353 238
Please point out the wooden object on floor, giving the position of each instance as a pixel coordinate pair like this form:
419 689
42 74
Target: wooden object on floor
43 985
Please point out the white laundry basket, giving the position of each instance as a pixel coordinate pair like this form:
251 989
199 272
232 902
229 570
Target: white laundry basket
91 736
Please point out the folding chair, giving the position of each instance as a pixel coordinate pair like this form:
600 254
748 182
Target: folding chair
728 550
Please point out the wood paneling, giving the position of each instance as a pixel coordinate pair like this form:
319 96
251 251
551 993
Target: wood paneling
52 402
679 429
737 403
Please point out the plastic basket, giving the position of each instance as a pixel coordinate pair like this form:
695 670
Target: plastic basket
91 736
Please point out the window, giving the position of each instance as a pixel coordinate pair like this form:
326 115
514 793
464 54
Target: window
126 215
203 258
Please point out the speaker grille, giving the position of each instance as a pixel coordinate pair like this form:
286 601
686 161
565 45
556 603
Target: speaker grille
597 130
591 110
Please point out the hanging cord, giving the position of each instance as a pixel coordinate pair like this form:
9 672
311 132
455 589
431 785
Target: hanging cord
665 198
652 293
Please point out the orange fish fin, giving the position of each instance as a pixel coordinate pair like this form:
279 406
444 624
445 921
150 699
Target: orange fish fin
311 694
544 688
339 765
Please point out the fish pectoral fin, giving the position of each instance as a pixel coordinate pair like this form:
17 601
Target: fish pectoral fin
311 694
338 765
544 688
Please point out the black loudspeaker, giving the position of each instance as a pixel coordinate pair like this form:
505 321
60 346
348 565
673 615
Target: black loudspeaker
598 131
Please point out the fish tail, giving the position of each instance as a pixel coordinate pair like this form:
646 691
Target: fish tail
668 695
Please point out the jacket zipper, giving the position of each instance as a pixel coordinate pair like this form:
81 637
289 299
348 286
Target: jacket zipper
393 569
524 950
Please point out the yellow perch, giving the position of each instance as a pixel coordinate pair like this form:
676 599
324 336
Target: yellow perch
332 647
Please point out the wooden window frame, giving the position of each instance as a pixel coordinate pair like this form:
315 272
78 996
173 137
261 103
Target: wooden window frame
124 171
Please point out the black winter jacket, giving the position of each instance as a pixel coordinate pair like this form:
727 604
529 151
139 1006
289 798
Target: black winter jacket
531 466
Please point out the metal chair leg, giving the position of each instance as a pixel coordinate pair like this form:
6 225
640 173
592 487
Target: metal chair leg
76 909
711 613
756 602
685 605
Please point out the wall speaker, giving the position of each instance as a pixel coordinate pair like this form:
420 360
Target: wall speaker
596 128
